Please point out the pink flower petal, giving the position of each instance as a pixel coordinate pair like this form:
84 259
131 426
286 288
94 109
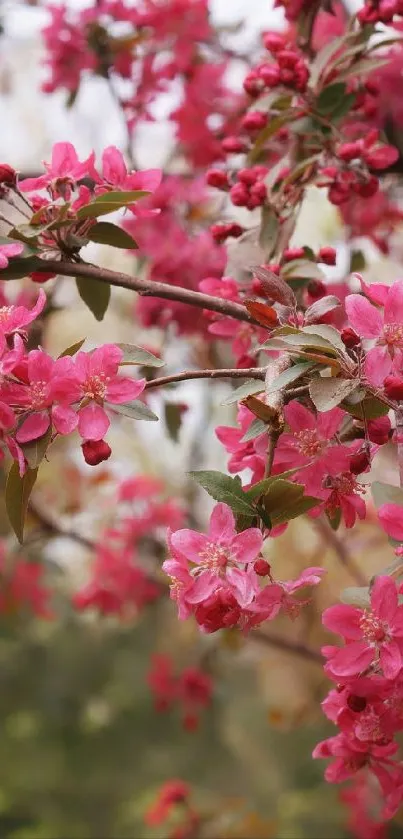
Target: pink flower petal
299 417
36 425
204 585
190 544
391 659
222 524
363 316
377 365
343 620
65 420
93 422
246 546
242 586
123 389
384 600
394 303
351 660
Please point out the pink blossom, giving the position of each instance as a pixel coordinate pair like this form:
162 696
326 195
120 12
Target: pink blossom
14 318
391 519
387 331
309 444
98 382
244 455
8 251
374 636
215 559
116 174
63 172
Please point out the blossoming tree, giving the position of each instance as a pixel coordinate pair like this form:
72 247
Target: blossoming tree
317 364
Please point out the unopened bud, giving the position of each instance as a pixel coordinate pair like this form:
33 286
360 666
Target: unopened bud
349 337
359 462
262 567
95 451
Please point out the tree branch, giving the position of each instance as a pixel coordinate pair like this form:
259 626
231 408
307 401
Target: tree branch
225 373
294 647
147 288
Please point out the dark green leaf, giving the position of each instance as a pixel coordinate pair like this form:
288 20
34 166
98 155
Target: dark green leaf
330 97
357 262
121 197
95 295
35 451
269 226
285 500
18 491
223 488
72 349
264 485
137 355
335 519
369 408
106 233
135 410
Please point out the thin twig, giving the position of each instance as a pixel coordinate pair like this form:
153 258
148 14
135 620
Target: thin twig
294 647
54 528
225 373
147 288
340 549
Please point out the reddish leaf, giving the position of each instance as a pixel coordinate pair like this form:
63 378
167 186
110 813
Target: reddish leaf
264 314
275 288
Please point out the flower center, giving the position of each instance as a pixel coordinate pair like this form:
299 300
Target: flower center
393 334
5 311
308 443
373 629
96 386
38 392
214 558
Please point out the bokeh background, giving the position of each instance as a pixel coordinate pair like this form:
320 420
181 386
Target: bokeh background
83 750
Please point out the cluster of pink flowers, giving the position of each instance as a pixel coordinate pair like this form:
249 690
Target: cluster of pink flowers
366 705
120 583
40 395
173 797
191 689
219 577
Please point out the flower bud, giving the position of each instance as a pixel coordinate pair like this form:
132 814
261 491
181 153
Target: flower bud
217 178
359 462
254 121
262 567
316 289
293 253
273 42
95 451
349 337
379 430
233 145
327 256
393 387
8 175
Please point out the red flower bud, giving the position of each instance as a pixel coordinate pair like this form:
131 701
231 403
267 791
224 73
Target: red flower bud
349 337
217 178
233 145
349 151
254 121
293 253
379 430
273 42
262 567
393 387
316 289
8 175
95 451
327 256
359 462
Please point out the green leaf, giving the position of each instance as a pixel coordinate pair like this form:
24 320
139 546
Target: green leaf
357 262
223 488
264 485
173 419
269 226
137 355
18 491
285 500
95 295
320 308
302 269
369 408
73 348
256 428
121 197
106 233
19 267
274 125
290 375
327 393
386 494
334 520
247 389
35 451
329 333
330 97
135 410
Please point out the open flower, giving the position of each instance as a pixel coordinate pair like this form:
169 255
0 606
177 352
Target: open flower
8 251
386 330
374 636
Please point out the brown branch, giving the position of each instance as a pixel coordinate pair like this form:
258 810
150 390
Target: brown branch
340 549
293 647
53 528
225 373
147 288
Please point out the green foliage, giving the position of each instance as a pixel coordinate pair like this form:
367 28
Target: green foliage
95 295
18 491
